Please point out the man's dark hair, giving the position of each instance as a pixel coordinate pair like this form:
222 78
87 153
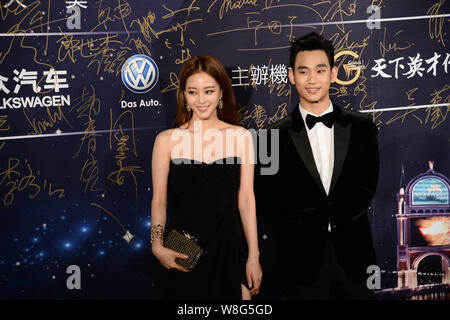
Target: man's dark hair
309 42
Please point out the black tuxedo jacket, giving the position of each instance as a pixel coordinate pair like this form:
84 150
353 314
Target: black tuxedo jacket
295 198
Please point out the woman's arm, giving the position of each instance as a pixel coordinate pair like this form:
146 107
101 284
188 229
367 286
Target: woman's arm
247 209
160 172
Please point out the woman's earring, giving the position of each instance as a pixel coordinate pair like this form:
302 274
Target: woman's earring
220 104
188 108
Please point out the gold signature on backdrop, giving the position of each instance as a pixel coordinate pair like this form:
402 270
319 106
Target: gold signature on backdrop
20 180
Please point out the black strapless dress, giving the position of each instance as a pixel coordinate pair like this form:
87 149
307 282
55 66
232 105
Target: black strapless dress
205 204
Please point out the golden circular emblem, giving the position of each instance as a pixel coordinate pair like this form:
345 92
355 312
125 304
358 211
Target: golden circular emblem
348 68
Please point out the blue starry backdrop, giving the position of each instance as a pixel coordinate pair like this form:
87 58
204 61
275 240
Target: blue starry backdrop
85 87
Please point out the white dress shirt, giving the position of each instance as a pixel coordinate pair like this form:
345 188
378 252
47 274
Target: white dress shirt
321 139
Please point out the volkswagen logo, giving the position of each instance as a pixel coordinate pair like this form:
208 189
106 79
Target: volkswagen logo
140 73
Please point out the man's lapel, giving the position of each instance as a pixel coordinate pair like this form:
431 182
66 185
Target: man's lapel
300 138
342 129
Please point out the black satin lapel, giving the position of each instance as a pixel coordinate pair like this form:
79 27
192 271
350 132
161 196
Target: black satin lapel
301 142
341 141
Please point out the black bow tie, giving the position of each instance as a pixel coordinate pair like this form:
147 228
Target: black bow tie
327 119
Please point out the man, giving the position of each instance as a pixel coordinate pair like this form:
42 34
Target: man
328 172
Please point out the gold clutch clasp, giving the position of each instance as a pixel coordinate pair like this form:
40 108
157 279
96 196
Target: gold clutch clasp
187 235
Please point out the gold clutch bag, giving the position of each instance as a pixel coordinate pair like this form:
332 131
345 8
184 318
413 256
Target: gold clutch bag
184 244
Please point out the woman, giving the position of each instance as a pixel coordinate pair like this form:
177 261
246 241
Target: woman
207 161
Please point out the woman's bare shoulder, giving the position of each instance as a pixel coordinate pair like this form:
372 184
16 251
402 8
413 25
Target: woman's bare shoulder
169 134
165 140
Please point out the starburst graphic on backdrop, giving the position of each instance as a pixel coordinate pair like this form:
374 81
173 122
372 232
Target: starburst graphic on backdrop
436 230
